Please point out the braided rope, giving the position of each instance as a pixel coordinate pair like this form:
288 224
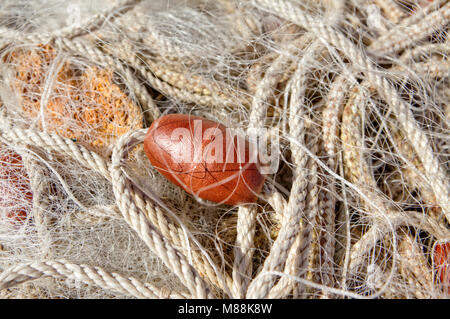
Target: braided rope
91 160
415 135
73 31
261 285
243 251
56 143
39 183
168 82
330 130
305 253
96 276
137 220
391 10
246 218
403 35
204 265
300 251
396 219
311 252
305 247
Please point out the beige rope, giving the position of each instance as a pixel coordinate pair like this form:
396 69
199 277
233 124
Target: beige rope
243 251
96 276
330 131
93 161
307 251
301 261
260 286
391 10
39 183
137 220
358 172
415 135
246 215
74 31
396 219
54 142
406 34
300 252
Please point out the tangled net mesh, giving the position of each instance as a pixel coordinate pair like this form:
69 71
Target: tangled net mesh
357 93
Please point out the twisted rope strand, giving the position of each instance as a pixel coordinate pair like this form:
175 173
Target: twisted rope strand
96 276
261 285
137 220
403 36
75 30
435 173
84 49
93 161
327 199
243 251
352 146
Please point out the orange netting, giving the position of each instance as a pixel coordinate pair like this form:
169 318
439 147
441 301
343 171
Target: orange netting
84 105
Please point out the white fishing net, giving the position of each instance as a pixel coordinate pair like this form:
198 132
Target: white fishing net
355 92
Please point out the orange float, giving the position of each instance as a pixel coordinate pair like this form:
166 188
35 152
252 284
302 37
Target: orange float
192 152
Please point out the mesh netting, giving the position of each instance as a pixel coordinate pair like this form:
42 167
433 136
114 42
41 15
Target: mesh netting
354 98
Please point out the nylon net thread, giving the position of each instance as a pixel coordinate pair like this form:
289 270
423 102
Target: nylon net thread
367 221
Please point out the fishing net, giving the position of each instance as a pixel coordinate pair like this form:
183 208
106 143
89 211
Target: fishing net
353 98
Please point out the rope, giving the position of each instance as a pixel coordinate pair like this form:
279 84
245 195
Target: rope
114 282
364 170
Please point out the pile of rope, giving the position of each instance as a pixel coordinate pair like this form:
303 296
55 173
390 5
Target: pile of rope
355 92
